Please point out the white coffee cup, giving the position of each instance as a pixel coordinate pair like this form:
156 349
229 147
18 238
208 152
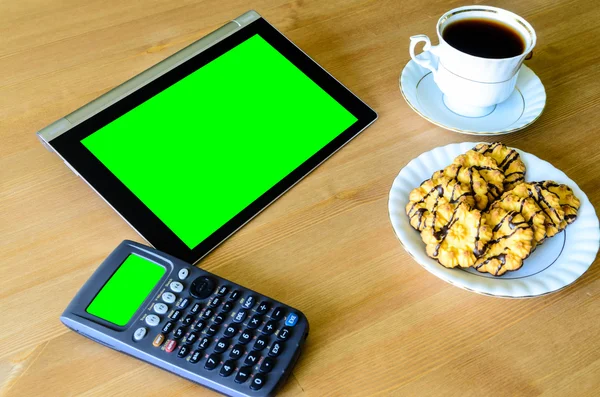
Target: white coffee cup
472 85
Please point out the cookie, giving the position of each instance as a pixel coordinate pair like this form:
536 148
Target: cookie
508 160
470 177
566 198
480 173
529 209
436 194
548 202
511 243
456 243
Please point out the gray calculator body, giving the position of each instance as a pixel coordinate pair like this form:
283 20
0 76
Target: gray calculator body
224 317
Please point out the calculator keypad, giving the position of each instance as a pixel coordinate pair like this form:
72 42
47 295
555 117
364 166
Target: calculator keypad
226 331
176 287
160 308
168 297
202 287
152 320
227 368
158 340
139 334
175 315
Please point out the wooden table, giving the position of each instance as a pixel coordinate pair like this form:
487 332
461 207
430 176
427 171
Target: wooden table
380 324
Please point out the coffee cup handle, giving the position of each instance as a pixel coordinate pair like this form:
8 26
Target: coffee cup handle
428 59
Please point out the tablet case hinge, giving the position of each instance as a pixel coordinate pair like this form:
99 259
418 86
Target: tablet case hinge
53 130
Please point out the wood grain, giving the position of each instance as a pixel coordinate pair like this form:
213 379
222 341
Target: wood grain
380 324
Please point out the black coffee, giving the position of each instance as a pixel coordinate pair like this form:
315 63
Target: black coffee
484 38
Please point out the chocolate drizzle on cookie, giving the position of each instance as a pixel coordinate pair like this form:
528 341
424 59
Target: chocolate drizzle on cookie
505 157
476 251
417 213
512 225
420 213
566 199
441 234
500 257
539 199
508 160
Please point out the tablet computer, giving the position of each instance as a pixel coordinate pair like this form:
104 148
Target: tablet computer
191 149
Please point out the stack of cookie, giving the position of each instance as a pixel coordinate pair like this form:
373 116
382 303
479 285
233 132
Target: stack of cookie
479 212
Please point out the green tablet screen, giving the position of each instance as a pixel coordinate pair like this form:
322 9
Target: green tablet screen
126 290
203 149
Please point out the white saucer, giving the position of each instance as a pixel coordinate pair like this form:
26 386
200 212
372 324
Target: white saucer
521 109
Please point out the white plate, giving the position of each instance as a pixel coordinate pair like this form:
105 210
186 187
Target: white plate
521 109
556 263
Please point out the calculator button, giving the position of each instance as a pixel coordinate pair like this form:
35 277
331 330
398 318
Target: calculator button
246 337
240 316
227 307
276 349
160 308
237 352
252 358
158 340
183 351
195 308
216 301
267 364
277 313
168 297
176 287
230 331
184 303
212 330
223 290
207 313
258 381
235 295
243 374
261 342
199 325
291 319
212 361
170 346
269 327
139 334
221 346
249 302
152 320
219 318
202 287
187 320
191 337
263 308
179 332
204 343
284 334
175 315
168 327
195 357
227 368
183 273
255 321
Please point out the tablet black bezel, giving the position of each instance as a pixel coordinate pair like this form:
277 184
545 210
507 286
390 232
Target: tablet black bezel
69 145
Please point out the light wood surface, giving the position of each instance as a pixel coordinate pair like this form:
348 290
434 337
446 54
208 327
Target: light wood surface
380 324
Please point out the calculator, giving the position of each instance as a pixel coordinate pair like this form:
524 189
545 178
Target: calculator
209 330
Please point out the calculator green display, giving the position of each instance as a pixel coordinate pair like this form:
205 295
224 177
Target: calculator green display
126 290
